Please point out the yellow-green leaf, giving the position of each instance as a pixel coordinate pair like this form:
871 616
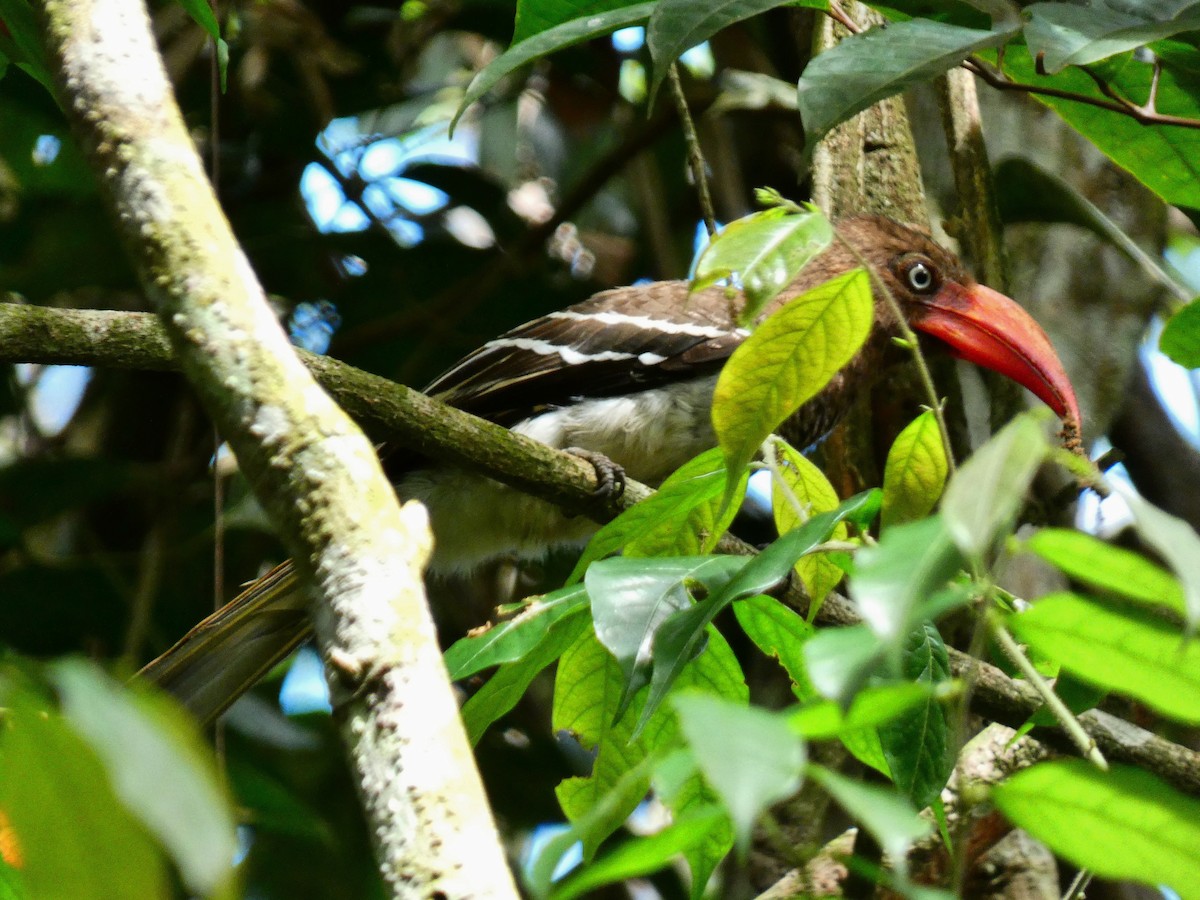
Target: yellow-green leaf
915 473
1120 824
805 484
790 358
1126 651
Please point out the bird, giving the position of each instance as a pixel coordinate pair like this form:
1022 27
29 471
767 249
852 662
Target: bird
627 376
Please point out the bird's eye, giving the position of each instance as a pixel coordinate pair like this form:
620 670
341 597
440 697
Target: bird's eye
920 277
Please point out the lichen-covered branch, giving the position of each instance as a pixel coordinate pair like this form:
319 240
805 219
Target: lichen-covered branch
314 472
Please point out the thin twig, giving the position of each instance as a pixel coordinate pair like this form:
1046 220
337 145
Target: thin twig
1122 106
911 343
1082 740
1078 885
695 155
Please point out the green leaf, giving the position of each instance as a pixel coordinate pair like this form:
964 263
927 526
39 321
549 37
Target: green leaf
1175 541
509 683
1107 567
509 641
803 482
892 821
750 756
592 825
135 732
1180 338
866 68
1121 824
986 493
536 16
21 41
587 689
870 708
643 855
77 838
1129 652
684 517
766 250
787 361
895 579
1069 35
541 43
779 632
678 784
915 472
679 637
917 745
679 25
839 660
204 16
632 597
1162 157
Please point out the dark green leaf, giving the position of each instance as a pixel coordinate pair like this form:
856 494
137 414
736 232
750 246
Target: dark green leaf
1025 192
679 25
750 756
1180 338
1121 824
1125 651
784 363
766 251
136 732
866 68
917 745
535 16
542 43
21 40
1107 567
510 640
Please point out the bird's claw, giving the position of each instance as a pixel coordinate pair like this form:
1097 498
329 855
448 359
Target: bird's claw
610 477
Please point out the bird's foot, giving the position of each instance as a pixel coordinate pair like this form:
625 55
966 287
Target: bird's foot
610 477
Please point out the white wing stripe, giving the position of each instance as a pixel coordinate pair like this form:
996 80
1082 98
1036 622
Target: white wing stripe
568 355
650 324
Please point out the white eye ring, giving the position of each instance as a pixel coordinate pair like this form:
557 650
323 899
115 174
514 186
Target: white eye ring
920 277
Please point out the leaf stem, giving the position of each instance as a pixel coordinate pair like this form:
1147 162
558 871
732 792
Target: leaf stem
1082 740
696 160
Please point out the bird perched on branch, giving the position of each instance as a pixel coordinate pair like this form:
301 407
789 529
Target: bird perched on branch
629 375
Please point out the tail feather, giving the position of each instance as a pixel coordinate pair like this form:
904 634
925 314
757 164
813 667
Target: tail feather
226 654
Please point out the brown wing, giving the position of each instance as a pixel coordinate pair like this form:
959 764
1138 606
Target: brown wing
616 342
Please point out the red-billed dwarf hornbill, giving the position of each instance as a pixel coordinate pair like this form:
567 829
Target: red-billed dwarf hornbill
629 375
